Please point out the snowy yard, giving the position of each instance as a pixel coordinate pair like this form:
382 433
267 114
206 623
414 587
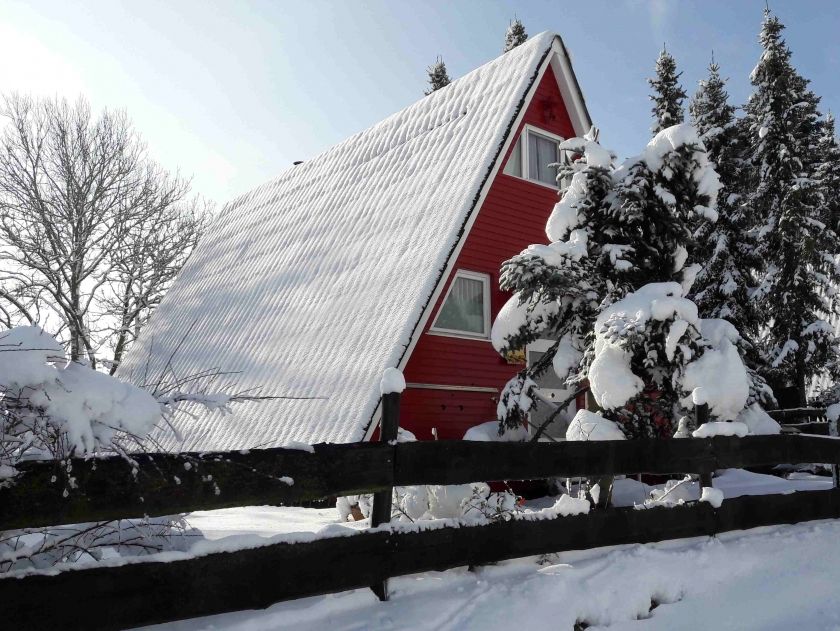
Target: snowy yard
768 578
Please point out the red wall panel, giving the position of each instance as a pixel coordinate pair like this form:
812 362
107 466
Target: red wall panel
512 217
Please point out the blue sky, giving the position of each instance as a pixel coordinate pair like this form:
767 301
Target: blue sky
233 92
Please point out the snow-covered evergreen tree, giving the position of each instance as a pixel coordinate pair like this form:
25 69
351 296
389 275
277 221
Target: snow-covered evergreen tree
645 343
437 76
828 172
515 35
797 287
668 94
617 235
558 287
726 247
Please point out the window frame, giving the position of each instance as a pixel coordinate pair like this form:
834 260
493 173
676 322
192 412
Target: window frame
522 143
485 283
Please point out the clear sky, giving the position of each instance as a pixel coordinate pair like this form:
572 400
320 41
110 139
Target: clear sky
233 92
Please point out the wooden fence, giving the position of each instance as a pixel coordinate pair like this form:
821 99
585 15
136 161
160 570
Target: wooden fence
148 592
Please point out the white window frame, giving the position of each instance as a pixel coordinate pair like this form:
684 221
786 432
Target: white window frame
485 283
522 143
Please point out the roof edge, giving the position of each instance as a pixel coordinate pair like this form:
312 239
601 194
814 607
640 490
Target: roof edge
492 170
577 100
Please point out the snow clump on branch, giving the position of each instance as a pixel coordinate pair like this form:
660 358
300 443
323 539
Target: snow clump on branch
85 406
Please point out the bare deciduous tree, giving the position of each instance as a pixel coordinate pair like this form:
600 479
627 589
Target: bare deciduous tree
92 232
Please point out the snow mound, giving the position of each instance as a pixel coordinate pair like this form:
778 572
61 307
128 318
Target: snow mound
712 495
489 433
722 377
758 421
392 381
588 425
568 505
721 428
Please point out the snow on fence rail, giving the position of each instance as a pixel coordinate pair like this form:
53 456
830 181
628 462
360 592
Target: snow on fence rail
154 591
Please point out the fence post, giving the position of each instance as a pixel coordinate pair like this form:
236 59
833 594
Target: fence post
832 431
380 513
701 413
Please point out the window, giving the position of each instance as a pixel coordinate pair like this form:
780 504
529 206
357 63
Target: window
542 152
533 153
466 308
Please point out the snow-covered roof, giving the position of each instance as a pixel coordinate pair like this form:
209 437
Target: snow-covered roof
315 282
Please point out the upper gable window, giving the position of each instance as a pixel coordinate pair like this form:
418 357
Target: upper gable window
466 309
534 152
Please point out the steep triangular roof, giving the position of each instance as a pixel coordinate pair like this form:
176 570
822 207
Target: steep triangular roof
314 283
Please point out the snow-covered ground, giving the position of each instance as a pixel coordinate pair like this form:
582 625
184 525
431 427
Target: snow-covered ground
763 579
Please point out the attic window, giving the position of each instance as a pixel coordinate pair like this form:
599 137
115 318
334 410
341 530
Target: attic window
534 151
465 311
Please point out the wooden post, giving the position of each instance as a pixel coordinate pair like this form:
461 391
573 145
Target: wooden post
380 513
604 482
701 413
835 470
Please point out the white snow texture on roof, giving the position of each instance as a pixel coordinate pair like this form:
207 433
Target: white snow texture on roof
311 284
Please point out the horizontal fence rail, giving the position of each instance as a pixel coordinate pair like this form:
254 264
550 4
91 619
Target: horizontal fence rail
152 592
820 428
147 592
812 414
164 484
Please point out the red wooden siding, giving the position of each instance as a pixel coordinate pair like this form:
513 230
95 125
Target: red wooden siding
512 217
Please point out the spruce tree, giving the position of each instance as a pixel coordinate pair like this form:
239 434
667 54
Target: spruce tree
723 285
558 287
667 94
437 76
798 280
659 197
515 35
828 173
614 232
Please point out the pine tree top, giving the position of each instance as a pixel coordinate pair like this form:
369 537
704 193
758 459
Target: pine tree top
711 112
438 78
668 94
515 35
782 113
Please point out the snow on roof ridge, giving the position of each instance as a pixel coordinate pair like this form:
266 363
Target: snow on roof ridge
275 291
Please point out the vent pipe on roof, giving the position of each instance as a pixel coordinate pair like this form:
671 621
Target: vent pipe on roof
297 162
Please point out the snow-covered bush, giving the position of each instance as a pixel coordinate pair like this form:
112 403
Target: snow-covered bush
55 409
